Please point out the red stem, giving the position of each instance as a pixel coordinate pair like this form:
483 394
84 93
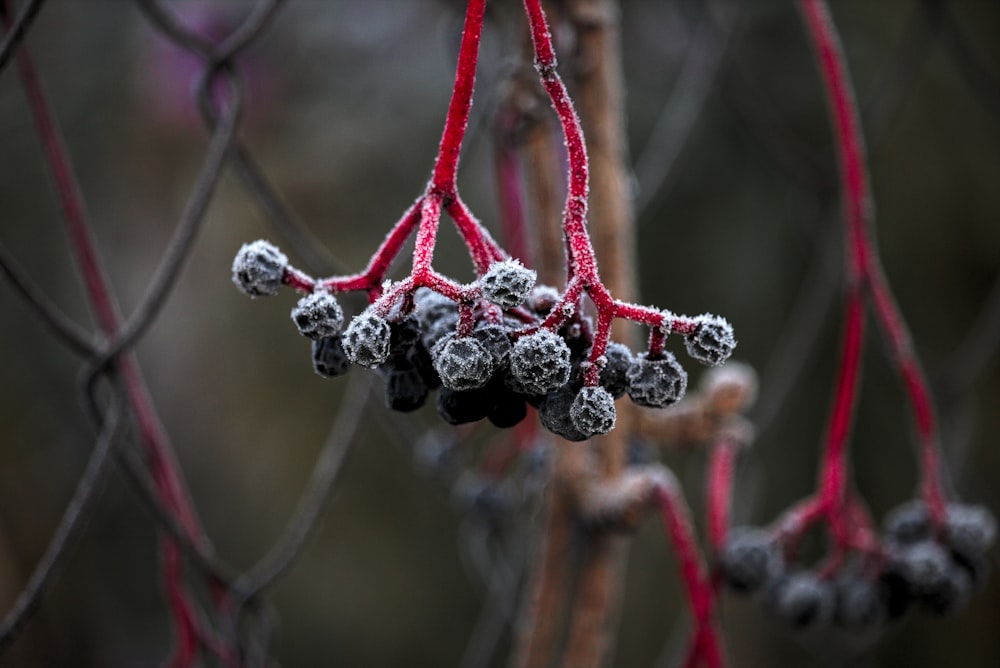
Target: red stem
102 301
718 502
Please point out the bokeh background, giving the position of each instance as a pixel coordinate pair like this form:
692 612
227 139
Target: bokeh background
345 104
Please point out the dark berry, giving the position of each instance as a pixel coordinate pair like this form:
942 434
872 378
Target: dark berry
456 407
952 593
462 362
907 523
318 315
509 409
366 340
507 283
712 341
554 413
618 358
656 382
924 566
420 359
403 335
861 604
802 599
542 299
593 411
405 389
496 340
969 530
750 559
539 362
258 268
329 358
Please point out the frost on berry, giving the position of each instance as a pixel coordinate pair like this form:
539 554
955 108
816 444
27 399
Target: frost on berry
861 604
258 268
539 363
496 341
908 523
462 362
802 599
507 283
318 315
656 382
542 299
750 559
923 566
328 357
712 341
366 339
593 411
618 358
969 530
554 414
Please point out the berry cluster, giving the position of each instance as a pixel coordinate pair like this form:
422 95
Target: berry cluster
912 565
492 349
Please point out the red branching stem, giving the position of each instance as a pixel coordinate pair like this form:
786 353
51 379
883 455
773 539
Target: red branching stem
446 167
863 264
718 497
102 301
677 522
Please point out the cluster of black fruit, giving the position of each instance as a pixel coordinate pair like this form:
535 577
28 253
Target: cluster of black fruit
492 372
917 568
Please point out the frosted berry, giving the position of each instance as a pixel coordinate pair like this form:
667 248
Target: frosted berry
403 335
496 341
593 411
924 566
802 599
539 362
258 268
656 382
366 339
712 341
861 604
507 283
554 414
618 358
542 298
908 523
405 389
318 315
462 362
969 530
750 559
328 357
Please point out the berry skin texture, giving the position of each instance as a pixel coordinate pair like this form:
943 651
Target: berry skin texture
712 342
969 530
924 566
802 599
495 340
907 523
861 605
258 268
457 408
507 283
405 389
366 339
750 559
328 357
539 363
463 363
318 315
554 414
656 382
618 358
593 411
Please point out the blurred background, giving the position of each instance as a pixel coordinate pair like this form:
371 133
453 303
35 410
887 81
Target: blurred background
735 178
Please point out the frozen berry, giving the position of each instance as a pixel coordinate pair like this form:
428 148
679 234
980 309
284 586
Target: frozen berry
907 523
495 340
405 389
618 358
860 604
593 411
712 341
951 594
509 409
462 362
403 335
554 414
539 362
366 340
802 599
923 565
750 559
329 358
542 298
318 315
258 268
969 530
656 382
507 283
